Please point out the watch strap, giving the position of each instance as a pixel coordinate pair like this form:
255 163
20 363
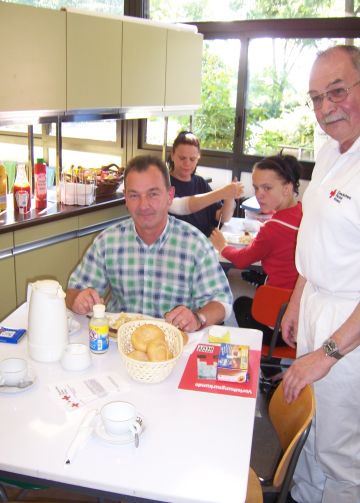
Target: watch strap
201 319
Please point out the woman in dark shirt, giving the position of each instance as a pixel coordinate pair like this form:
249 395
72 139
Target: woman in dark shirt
183 161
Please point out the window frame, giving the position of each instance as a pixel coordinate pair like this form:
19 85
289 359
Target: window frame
237 161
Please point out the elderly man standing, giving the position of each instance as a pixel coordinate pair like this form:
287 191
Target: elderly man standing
324 311
152 263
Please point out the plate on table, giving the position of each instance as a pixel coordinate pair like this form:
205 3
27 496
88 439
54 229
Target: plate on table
240 239
118 319
125 438
31 376
73 326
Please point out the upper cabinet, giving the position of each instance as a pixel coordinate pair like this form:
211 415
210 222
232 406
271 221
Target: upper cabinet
33 58
144 60
94 49
183 68
67 61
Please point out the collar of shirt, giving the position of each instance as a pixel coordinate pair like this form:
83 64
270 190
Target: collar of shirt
161 240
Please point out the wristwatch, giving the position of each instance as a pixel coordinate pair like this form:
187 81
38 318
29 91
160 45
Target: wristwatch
330 348
201 319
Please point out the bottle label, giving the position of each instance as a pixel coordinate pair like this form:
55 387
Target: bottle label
22 199
40 185
98 338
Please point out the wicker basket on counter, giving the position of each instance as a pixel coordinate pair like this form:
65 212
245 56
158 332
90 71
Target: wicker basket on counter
149 372
108 186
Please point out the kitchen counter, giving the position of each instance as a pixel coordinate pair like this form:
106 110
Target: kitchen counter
11 221
49 243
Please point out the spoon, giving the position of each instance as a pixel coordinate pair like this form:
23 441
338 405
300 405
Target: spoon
136 435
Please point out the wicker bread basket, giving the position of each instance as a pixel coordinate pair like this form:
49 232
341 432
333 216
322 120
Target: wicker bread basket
149 372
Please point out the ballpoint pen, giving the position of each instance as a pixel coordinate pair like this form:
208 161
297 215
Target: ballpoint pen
83 433
219 223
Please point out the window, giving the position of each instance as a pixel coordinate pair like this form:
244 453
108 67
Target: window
276 115
230 10
113 7
214 122
254 83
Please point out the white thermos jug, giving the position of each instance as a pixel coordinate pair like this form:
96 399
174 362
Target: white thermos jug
47 321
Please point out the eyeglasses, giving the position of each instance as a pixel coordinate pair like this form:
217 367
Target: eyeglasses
335 95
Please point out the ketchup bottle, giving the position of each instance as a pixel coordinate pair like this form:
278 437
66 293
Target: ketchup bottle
21 190
40 184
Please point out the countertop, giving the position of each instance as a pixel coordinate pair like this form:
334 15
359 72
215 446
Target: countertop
11 221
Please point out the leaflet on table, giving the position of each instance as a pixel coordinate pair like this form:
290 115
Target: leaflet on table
11 335
229 369
72 395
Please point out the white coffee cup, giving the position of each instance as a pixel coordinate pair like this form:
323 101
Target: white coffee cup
13 371
76 357
120 418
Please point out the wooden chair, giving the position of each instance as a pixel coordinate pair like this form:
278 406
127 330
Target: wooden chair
268 307
254 492
292 423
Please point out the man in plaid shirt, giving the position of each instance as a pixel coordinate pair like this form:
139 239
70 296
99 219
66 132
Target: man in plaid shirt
153 263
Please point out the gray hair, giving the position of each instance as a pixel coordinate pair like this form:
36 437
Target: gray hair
352 51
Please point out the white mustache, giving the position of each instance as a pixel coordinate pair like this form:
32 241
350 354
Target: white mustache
333 118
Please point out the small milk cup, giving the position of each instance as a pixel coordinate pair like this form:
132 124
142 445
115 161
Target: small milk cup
76 357
120 418
13 371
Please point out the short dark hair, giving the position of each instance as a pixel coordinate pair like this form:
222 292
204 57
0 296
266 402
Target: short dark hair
184 138
287 168
142 163
352 51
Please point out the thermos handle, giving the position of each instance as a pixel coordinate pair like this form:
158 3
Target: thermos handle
60 293
29 292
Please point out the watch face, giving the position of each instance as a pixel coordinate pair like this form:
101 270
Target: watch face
331 346
331 349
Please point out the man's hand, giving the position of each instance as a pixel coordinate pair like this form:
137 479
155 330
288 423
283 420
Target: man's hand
82 301
218 240
306 370
183 318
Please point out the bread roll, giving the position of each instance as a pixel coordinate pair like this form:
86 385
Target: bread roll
138 355
158 351
145 334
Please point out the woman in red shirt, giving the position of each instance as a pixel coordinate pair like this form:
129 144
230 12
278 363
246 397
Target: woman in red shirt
276 182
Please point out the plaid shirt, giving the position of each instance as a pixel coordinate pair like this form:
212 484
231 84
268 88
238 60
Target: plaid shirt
181 267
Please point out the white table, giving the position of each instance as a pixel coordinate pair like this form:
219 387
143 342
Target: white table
195 446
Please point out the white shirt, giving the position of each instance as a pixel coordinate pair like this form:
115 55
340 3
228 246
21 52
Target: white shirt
328 245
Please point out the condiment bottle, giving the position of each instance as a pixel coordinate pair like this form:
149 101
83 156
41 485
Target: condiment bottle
21 189
3 187
99 330
40 184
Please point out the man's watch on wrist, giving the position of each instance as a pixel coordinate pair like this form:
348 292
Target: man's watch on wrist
330 348
201 318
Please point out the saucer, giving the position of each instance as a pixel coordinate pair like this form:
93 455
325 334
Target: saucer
31 376
125 438
74 327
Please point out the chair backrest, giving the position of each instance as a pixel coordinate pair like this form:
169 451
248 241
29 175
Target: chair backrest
254 492
290 421
267 303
